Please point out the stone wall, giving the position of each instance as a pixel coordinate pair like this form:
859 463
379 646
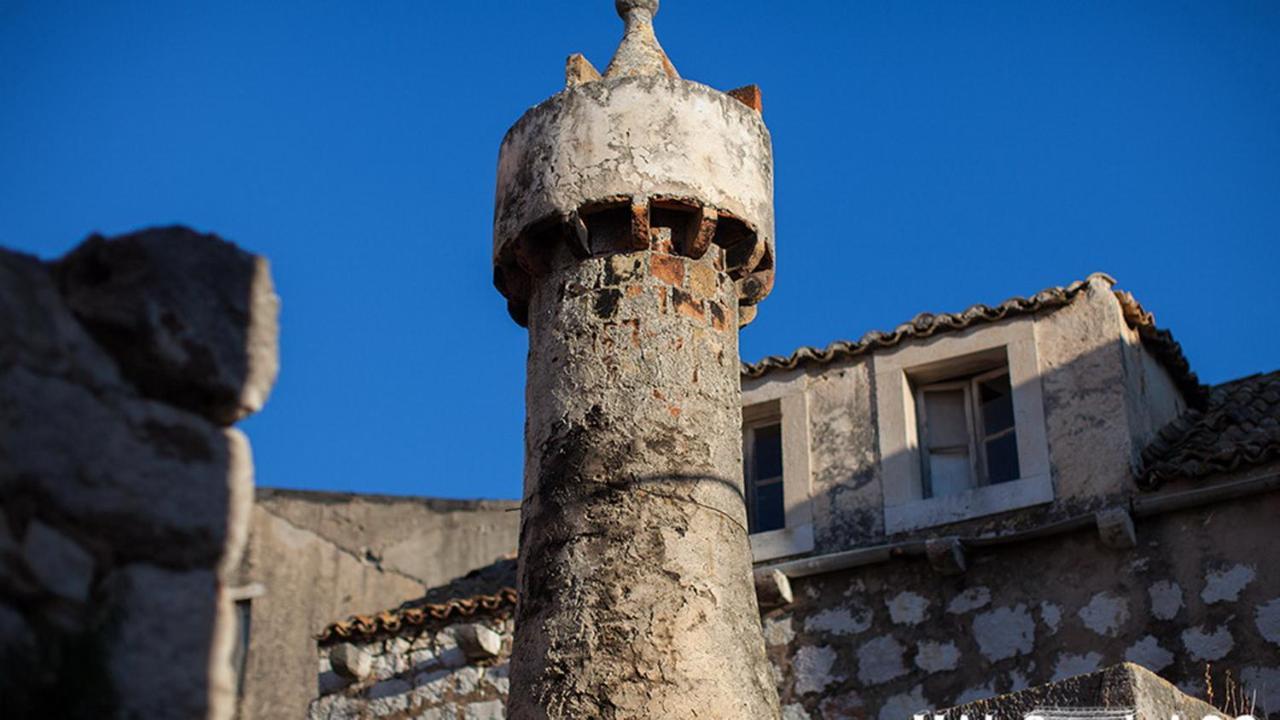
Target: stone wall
126 493
316 557
455 671
884 640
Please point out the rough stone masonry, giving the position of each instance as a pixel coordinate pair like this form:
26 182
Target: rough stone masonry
125 494
633 235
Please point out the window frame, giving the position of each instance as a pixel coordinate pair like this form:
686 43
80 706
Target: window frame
783 397
975 427
750 426
899 371
922 431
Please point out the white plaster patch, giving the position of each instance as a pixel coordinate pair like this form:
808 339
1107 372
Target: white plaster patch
935 656
857 587
1051 615
497 678
1166 599
1225 585
1204 645
1148 653
908 608
839 621
1267 618
880 660
778 631
794 711
975 693
1004 632
1266 681
1071 665
1105 614
467 679
971 599
431 687
1018 681
904 705
491 710
812 667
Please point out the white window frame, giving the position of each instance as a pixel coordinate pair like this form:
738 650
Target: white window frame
898 373
975 430
781 397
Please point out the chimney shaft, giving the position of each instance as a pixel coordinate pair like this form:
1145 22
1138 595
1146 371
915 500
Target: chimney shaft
633 234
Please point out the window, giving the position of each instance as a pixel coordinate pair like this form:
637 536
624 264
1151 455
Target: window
961 426
967 434
766 507
775 467
240 654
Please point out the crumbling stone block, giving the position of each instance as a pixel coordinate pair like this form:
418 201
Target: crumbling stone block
946 555
191 319
58 562
773 589
161 629
1115 527
350 662
1124 686
479 642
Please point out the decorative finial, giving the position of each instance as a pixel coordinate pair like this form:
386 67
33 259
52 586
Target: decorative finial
639 52
625 7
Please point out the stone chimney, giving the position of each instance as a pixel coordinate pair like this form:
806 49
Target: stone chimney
633 236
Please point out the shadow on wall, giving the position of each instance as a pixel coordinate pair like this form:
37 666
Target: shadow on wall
126 492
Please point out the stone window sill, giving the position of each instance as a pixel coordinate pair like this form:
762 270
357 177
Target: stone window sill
782 543
986 500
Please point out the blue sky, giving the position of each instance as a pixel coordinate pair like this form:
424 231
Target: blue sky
929 155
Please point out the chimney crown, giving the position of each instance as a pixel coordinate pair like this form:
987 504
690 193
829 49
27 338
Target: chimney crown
636 140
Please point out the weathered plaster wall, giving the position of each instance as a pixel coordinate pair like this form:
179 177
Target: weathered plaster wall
1103 395
885 640
320 557
848 500
432 540
1085 401
1150 393
126 495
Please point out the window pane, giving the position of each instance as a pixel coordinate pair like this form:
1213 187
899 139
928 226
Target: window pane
1002 459
949 473
767 451
997 404
945 418
769 512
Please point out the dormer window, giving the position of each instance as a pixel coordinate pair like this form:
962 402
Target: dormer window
961 427
967 434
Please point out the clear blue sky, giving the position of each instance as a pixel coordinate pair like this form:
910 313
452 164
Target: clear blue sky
929 155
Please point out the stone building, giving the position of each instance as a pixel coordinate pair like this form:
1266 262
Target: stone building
314 556
964 507
931 561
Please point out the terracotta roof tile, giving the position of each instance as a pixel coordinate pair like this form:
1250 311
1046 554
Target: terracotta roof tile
392 622
1239 428
1159 342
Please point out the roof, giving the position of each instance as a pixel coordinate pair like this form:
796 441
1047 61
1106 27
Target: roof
486 592
1239 428
1159 342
